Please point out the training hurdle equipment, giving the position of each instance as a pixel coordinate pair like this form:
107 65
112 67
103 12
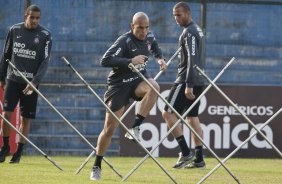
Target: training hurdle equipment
242 144
44 154
183 116
239 110
131 106
179 116
112 113
56 110
258 130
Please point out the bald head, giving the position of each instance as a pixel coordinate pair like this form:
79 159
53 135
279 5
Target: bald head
140 25
140 16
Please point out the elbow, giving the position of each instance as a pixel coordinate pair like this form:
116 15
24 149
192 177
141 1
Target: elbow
103 62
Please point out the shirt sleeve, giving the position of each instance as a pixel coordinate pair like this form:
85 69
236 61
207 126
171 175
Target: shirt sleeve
44 64
7 54
115 55
193 55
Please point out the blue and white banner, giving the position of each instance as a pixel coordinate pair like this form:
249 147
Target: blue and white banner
224 127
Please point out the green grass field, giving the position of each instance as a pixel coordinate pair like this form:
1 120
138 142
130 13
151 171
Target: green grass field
37 169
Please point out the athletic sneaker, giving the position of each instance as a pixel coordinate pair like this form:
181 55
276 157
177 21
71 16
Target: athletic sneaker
95 173
183 161
200 165
5 151
16 158
136 133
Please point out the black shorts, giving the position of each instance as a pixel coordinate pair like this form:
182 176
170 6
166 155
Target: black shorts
14 93
180 103
118 96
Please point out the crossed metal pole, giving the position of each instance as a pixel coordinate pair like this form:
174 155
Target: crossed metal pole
38 149
55 109
240 111
113 114
128 110
181 118
241 145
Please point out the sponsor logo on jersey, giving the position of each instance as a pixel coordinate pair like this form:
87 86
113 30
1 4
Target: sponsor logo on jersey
26 74
117 52
36 40
129 80
20 50
46 49
139 67
193 45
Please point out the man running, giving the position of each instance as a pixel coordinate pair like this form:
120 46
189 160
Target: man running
133 47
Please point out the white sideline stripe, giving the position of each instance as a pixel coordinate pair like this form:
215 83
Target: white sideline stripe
175 94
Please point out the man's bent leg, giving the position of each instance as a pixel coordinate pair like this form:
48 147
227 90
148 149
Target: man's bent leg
171 119
149 98
186 156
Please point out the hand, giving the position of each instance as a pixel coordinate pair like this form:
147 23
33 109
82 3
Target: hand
140 59
28 90
2 85
189 93
162 63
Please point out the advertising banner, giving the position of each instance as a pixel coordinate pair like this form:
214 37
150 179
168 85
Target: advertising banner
223 127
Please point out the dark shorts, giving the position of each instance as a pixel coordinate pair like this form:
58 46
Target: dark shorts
118 96
13 94
180 103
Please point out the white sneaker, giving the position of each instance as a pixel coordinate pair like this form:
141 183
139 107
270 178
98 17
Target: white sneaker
135 132
95 173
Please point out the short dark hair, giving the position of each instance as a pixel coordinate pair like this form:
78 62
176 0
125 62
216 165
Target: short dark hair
33 7
182 5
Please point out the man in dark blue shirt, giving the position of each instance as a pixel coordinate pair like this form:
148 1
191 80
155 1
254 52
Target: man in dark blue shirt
132 47
187 86
27 46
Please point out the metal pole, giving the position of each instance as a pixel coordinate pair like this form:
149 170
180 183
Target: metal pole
238 109
113 114
179 116
183 116
241 145
127 111
55 109
46 156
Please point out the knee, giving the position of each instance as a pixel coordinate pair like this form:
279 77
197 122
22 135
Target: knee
155 85
166 115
